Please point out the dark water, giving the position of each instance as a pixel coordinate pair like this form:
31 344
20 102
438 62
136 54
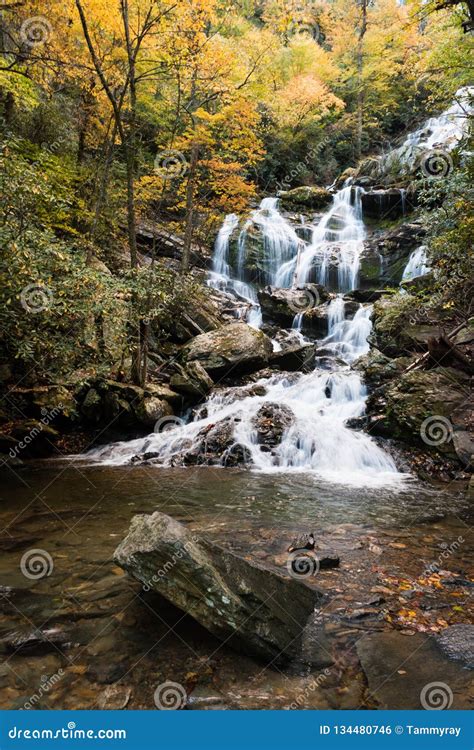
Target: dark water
111 644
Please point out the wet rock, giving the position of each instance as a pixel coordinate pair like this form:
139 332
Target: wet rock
271 422
397 672
385 204
233 598
368 295
151 409
305 197
214 445
419 283
386 254
401 326
328 560
280 306
34 641
235 348
106 673
294 356
435 395
192 381
379 369
457 642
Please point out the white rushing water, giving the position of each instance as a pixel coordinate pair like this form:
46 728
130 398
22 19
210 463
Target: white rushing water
336 245
221 276
321 402
417 264
442 132
318 439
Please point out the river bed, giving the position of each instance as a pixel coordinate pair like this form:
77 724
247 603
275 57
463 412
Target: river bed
404 567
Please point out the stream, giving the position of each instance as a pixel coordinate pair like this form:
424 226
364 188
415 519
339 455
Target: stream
85 635
110 642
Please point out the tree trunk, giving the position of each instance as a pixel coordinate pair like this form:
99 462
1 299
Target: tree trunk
188 235
360 84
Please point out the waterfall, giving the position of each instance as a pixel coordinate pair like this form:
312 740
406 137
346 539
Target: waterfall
221 274
443 132
320 402
348 338
336 245
280 242
318 439
417 264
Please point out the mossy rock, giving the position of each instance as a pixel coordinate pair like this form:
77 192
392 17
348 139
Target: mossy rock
305 197
418 396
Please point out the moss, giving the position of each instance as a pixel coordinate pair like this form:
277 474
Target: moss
306 197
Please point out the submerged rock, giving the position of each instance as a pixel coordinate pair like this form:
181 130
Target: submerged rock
457 642
402 674
235 348
253 609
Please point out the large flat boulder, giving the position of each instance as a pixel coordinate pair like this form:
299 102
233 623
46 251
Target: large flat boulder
280 306
235 348
252 608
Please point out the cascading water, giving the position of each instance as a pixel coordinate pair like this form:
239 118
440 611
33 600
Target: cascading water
336 245
417 264
320 402
442 132
221 277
